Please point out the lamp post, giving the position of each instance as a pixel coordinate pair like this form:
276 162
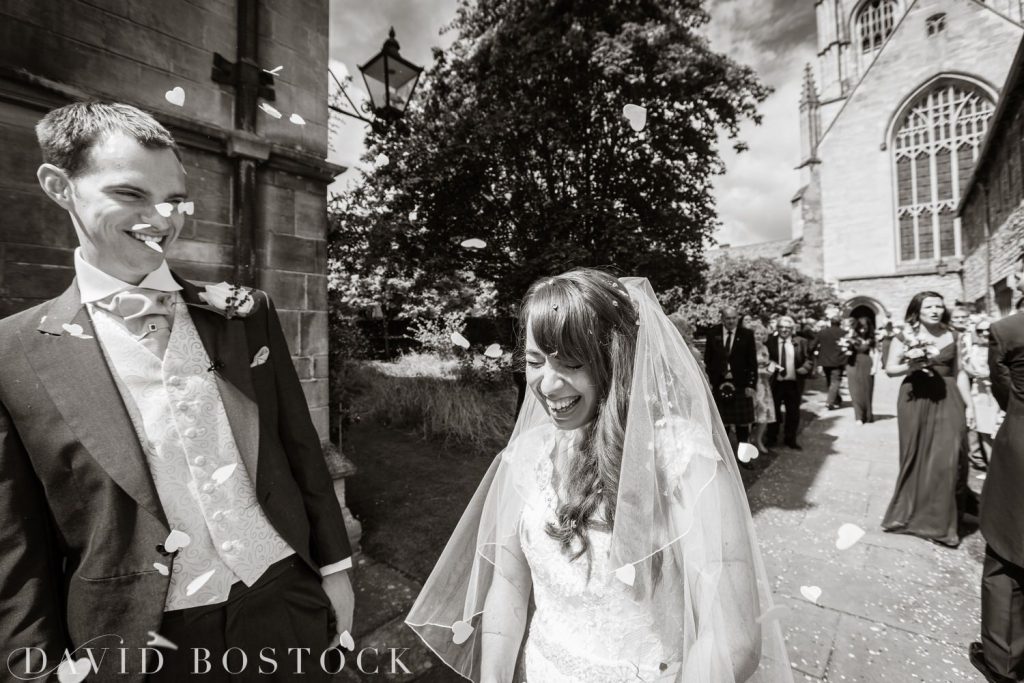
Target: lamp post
390 81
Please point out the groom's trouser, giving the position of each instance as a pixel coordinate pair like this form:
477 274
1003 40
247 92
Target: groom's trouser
271 622
833 379
1002 615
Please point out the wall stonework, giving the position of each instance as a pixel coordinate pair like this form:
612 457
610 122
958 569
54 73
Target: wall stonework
895 292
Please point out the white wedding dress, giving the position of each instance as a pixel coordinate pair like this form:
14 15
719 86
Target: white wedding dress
586 626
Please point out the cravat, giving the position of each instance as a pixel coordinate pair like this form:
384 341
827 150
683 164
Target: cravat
145 313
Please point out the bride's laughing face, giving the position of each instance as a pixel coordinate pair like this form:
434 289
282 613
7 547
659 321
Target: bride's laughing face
565 386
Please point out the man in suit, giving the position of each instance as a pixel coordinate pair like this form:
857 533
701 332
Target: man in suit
832 358
731 363
159 471
793 362
1000 654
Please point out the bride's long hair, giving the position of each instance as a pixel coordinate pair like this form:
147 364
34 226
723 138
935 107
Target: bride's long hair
586 316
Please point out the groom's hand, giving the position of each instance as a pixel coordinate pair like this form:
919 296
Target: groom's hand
338 587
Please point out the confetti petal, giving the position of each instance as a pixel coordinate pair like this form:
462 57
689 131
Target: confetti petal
74 329
187 208
141 226
474 243
176 96
459 340
297 120
165 209
776 613
269 109
636 115
162 568
493 351
176 540
461 631
157 640
746 452
811 593
195 584
848 535
73 671
222 474
275 71
626 574
346 641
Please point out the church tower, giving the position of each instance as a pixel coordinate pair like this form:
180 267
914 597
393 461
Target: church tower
833 44
806 204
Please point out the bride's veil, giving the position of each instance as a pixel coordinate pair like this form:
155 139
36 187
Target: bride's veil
683 541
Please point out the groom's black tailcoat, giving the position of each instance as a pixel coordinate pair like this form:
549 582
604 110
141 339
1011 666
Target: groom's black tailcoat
80 519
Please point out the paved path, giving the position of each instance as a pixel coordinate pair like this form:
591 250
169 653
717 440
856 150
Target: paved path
892 608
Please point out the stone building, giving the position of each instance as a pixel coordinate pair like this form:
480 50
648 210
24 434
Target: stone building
991 210
892 128
257 173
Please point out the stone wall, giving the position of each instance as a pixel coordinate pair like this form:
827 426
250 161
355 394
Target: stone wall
56 52
893 293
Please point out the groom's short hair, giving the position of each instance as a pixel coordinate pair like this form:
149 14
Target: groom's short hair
68 133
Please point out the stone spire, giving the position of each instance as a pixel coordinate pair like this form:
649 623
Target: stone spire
810 119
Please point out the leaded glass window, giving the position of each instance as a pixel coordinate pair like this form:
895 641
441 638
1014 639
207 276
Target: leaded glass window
936 146
876 19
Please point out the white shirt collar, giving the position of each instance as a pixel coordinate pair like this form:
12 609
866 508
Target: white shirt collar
95 285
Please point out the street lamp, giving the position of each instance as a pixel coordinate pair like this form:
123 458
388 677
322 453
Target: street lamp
390 80
941 267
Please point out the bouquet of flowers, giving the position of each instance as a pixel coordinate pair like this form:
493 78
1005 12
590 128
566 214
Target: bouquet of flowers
846 343
918 349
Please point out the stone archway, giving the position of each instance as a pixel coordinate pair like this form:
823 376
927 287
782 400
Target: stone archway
860 306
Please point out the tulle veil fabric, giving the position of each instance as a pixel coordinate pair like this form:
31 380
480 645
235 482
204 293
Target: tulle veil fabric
683 540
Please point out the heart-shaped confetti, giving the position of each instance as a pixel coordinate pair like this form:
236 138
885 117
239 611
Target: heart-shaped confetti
73 671
345 640
382 160
270 109
176 540
165 209
474 243
140 226
162 568
461 631
636 115
811 593
260 358
776 613
186 208
626 574
746 452
493 351
74 329
195 584
459 340
848 535
176 96
222 474
157 640
297 120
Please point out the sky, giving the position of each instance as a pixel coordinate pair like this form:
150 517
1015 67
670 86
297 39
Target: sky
775 37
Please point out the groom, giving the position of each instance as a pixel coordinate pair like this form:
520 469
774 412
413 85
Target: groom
159 471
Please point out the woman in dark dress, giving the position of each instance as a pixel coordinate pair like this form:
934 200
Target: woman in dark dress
859 374
933 412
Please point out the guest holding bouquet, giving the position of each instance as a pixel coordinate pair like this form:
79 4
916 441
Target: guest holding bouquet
860 344
933 412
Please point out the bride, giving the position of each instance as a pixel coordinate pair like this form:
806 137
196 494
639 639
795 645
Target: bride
616 505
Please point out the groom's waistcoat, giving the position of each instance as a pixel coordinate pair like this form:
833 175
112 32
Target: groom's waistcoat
201 480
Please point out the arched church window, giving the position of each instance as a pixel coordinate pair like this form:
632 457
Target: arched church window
876 19
935 24
935 148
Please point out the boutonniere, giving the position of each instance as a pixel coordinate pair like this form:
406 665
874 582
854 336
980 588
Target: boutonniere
231 301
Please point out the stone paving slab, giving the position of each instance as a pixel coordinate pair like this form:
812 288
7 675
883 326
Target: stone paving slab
892 607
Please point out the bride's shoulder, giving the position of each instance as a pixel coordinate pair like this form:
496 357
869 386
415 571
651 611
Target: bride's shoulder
526 447
678 441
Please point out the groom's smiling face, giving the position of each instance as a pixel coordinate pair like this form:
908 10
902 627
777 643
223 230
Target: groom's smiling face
118 190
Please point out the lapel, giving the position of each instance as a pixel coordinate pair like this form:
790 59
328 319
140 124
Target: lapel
227 346
74 372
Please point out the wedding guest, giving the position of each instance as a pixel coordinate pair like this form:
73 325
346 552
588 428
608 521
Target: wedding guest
886 336
861 369
764 403
615 514
773 321
136 410
792 365
933 413
831 357
731 362
986 408
1000 654
960 321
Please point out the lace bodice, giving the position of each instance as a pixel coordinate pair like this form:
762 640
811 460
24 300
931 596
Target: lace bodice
586 626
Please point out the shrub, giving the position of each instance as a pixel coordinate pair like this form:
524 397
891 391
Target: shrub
434 335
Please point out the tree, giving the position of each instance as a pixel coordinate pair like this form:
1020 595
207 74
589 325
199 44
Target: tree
758 288
518 139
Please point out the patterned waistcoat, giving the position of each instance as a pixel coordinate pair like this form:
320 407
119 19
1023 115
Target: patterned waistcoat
199 474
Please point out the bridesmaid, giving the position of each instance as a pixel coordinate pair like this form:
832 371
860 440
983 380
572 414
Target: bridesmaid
933 412
860 374
764 403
